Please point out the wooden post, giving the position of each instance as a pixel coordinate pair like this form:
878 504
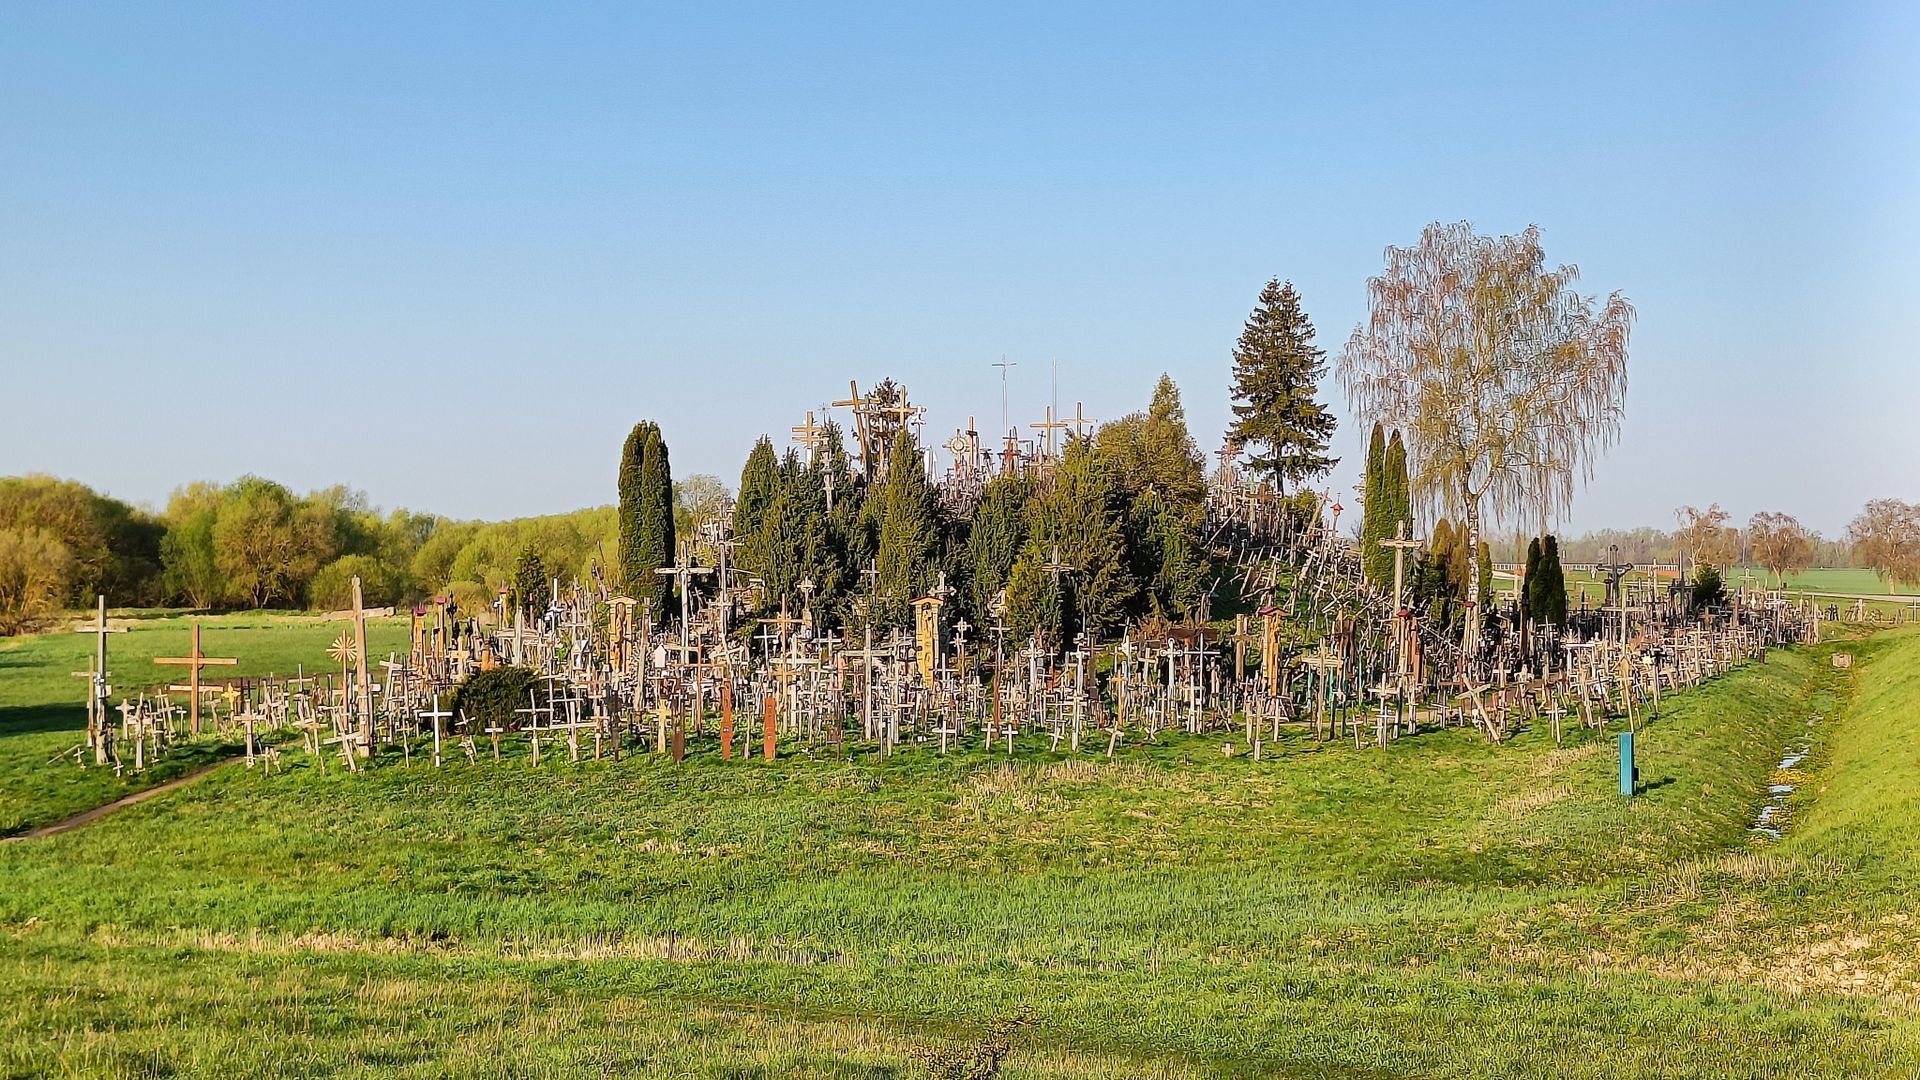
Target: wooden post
360 670
726 721
767 726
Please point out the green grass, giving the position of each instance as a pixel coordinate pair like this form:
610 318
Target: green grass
43 706
1440 908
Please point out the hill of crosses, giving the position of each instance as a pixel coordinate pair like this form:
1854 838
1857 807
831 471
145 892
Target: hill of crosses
1072 587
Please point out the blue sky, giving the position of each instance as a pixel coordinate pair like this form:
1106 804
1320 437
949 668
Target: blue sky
450 254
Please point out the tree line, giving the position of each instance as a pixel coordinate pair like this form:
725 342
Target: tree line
253 543
1107 535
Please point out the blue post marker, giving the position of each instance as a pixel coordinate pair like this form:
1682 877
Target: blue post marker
1627 770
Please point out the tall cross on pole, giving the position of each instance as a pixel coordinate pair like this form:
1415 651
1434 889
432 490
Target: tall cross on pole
1006 421
809 435
193 662
682 574
99 691
1048 427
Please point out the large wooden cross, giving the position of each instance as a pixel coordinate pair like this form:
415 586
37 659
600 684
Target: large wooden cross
1048 427
809 435
683 574
193 662
1078 422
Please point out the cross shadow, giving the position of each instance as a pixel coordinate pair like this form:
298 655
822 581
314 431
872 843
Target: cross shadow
1654 784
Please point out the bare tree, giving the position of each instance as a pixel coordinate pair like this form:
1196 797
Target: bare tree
1885 537
1705 538
1505 381
1779 543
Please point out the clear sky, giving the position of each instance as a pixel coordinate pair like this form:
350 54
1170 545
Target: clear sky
449 255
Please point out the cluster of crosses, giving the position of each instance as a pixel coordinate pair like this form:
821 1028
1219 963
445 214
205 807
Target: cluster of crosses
1327 650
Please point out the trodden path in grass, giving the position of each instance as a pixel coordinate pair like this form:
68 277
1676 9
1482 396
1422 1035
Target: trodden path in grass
90 816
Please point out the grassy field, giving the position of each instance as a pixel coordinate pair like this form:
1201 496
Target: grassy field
1440 908
42 704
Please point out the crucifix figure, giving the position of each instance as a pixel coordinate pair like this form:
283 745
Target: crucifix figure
193 662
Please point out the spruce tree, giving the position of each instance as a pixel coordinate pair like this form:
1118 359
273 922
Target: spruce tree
1374 512
654 545
1074 514
530 589
999 531
1276 372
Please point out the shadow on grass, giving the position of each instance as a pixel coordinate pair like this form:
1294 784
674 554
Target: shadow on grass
37 719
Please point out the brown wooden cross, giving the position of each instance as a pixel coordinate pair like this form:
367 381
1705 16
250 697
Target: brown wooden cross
1048 427
809 435
193 662
1078 422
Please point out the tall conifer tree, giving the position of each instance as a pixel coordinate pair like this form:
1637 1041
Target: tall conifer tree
631 508
654 546
909 532
1276 372
1374 512
759 483
1398 496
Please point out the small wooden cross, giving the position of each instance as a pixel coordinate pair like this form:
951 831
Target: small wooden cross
436 715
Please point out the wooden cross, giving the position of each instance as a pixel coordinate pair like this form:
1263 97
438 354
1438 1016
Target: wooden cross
193 662
1078 422
809 435
1048 427
682 574
100 691
436 715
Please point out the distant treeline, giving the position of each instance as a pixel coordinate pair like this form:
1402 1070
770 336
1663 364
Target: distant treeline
253 543
1649 545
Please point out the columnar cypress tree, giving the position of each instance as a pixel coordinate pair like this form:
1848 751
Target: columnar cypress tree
759 483
1276 372
1530 582
1398 493
1374 512
909 532
1553 585
655 542
631 511
1434 584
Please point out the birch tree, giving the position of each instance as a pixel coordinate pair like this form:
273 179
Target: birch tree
1505 381
1779 543
1885 538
